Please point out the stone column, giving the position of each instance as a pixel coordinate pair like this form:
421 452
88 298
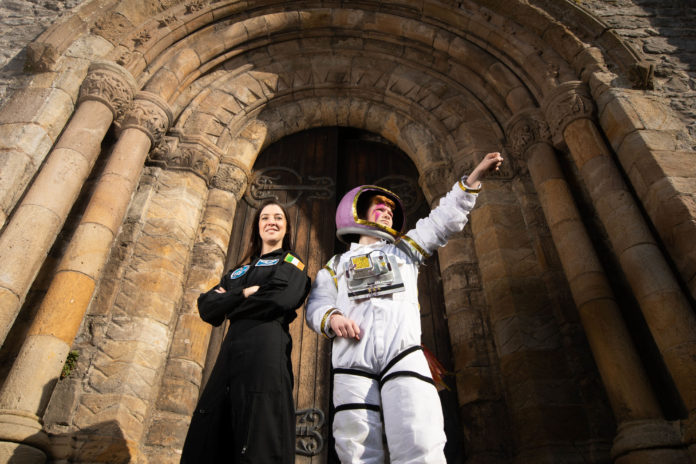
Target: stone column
667 312
626 383
180 388
39 362
480 396
105 93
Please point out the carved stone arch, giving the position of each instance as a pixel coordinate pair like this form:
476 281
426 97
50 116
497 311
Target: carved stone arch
485 62
418 141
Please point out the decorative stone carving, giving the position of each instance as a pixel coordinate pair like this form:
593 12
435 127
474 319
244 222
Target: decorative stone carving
527 128
142 38
150 114
436 180
195 154
195 5
166 21
109 84
642 75
124 57
568 102
111 26
232 178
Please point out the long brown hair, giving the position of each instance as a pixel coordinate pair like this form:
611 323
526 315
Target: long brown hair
254 247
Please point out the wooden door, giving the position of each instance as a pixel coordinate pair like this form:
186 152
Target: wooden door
309 172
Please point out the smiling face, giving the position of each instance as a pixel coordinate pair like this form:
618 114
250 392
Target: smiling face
272 227
381 214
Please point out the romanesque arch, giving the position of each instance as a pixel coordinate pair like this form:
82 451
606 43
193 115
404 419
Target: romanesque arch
197 89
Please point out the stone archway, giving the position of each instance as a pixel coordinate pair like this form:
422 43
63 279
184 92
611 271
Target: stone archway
200 88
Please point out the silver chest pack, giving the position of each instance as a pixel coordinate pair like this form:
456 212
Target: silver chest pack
372 274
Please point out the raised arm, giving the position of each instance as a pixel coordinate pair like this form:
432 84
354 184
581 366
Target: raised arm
490 162
451 215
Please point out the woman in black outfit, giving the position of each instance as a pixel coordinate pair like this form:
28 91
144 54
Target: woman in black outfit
246 413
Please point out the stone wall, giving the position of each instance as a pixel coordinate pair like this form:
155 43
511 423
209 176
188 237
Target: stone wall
411 85
661 32
21 21
664 34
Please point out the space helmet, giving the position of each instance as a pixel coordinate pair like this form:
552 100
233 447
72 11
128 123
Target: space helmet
349 226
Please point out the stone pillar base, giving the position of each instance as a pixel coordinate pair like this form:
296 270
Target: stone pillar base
21 438
17 453
648 442
689 434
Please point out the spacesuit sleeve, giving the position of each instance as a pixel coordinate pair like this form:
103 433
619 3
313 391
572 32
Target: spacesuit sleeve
448 218
322 303
213 306
278 298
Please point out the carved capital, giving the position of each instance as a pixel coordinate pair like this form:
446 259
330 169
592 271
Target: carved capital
232 178
525 129
109 84
435 180
566 103
150 114
194 154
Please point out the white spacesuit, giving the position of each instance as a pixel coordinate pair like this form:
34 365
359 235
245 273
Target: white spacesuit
385 371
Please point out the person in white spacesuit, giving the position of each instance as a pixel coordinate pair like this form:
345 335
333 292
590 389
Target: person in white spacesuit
366 300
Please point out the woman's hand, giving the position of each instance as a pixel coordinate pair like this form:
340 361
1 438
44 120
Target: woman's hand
344 327
220 290
490 162
247 292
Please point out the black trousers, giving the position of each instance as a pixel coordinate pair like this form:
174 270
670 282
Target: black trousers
246 412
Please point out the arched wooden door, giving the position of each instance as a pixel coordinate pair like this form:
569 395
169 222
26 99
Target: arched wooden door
309 172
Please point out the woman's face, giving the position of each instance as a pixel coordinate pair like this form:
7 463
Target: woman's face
272 225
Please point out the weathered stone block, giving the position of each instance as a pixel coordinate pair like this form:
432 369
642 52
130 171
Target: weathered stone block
522 332
168 432
191 338
475 385
59 182
542 425
32 140
644 150
16 273
63 306
49 108
460 248
525 366
184 369
177 396
124 330
122 408
15 172
163 83
88 250
622 220
106 444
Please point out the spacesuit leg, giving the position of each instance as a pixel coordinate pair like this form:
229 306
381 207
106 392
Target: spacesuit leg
357 424
412 412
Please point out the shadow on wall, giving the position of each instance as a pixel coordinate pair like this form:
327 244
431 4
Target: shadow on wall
670 44
101 443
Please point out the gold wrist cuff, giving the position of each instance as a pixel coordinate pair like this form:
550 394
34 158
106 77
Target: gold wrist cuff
468 189
326 317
